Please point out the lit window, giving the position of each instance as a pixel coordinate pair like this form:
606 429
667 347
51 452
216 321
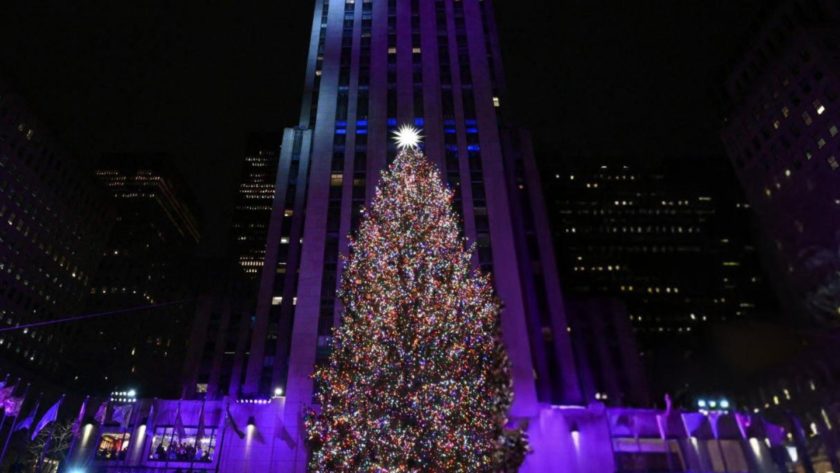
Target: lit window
806 117
415 51
276 300
113 446
392 50
819 107
496 102
160 448
832 129
336 180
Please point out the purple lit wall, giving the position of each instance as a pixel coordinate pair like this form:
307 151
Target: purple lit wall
567 439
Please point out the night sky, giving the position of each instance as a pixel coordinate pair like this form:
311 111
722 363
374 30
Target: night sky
592 78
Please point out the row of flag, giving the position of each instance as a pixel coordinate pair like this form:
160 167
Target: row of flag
12 405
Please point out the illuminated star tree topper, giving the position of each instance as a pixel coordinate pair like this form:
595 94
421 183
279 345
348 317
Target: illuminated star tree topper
418 379
407 137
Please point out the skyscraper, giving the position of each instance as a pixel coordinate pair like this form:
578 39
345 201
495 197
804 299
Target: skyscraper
147 265
781 127
372 67
254 199
674 241
54 222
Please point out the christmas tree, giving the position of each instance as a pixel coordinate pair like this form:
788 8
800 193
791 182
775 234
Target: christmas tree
418 379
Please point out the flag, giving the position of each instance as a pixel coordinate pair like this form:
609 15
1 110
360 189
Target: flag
150 422
714 421
50 416
27 423
200 431
77 426
179 425
775 433
744 423
12 406
233 425
122 415
101 413
6 393
286 437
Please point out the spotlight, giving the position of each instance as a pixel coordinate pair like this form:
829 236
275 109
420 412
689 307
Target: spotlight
251 422
278 392
713 404
724 404
132 393
701 403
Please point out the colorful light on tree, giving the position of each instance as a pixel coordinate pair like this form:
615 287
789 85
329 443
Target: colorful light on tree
418 380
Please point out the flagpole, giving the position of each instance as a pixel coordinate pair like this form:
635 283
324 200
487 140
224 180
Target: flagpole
29 427
79 431
99 428
198 434
133 427
172 437
14 424
222 442
40 466
147 435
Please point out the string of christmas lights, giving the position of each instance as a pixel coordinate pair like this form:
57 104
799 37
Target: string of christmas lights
418 379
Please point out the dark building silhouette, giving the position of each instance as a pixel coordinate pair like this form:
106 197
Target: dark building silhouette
148 263
780 129
607 353
674 243
221 331
254 199
218 345
54 223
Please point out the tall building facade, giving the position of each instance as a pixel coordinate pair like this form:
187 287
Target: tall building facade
607 352
147 269
254 201
781 127
54 223
434 64
674 242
